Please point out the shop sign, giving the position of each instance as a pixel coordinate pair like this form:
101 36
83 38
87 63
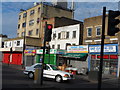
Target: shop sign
107 48
60 51
52 51
75 55
77 49
30 51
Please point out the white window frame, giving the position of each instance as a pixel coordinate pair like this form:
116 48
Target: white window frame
91 31
97 30
31 22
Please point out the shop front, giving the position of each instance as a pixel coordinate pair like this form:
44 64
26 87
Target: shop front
76 57
30 57
110 58
52 58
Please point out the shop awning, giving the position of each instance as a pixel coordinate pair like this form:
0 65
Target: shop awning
75 55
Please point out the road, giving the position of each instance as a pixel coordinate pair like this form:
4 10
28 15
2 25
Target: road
14 78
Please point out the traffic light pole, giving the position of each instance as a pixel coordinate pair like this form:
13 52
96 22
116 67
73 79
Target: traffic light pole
44 46
102 49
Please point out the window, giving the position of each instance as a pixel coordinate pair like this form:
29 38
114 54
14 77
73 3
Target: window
58 46
24 24
2 44
53 46
18 26
37 31
24 15
32 12
10 44
74 34
98 29
38 9
30 32
59 35
22 34
19 16
38 66
31 22
89 32
18 43
54 35
67 34
38 20
18 34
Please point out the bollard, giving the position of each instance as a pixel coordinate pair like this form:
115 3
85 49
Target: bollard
37 75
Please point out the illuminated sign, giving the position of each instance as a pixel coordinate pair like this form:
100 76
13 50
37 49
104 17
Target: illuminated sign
77 49
30 51
111 48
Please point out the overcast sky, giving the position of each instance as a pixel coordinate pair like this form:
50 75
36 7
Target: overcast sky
10 11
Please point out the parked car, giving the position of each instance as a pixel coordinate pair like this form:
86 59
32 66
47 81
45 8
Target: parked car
50 71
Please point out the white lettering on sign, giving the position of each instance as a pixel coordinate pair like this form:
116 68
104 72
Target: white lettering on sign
106 48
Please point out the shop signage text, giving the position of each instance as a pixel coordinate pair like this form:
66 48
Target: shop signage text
107 48
77 49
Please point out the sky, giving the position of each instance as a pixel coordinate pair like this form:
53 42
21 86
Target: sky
83 9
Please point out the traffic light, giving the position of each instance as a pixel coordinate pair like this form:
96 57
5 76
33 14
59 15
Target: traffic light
113 22
48 32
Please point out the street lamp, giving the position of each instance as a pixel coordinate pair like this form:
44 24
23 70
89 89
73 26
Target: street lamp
24 38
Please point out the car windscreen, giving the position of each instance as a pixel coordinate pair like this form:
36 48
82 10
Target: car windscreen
54 67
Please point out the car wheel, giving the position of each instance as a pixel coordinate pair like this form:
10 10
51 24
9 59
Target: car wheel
31 75
58 79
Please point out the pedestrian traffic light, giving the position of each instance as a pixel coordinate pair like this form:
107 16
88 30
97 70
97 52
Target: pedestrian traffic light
113 22
48 32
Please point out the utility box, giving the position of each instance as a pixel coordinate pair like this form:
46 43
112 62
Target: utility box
37 75
93 75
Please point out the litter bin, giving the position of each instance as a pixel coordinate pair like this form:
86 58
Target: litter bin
37 75
93 75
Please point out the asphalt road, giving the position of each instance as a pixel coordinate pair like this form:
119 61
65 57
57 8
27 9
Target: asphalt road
14 78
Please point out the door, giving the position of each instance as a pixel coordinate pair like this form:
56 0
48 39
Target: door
48 72
6 57
16 58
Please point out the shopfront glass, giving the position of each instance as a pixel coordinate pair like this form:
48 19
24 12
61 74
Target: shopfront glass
109 65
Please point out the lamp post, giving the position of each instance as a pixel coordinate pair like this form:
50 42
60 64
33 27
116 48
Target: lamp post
24 38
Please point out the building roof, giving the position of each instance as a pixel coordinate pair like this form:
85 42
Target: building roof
56 6
1 35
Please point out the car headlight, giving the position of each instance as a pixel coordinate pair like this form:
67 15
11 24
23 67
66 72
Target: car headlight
66 75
